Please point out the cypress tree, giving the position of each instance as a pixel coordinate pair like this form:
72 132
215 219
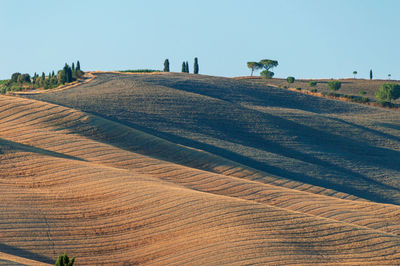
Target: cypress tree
370 74
52 73
43 76
73 67
196 66
68 73
78 65
187 67
183 67
166 65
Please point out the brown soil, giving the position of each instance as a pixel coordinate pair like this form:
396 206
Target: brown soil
183 169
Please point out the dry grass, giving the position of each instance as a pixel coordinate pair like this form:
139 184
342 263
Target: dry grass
349 86
110 192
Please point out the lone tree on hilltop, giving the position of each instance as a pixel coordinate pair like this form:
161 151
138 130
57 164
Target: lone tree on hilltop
63 260
268 64
253 66
290 79
354 73
166 65
334 85
388 92
196 66
370 74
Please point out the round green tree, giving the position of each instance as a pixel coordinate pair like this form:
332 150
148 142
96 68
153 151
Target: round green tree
267 74
388 92
290 79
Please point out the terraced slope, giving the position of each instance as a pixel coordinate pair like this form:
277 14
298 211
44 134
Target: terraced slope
109 193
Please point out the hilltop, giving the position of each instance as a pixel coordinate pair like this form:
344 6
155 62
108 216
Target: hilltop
174 168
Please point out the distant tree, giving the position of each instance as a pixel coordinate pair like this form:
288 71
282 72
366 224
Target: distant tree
312 83
290 79
78 65
183 67
388 92
20 79
187 67
43 76
266 74
14 77
354 73
52 73
370 74
334 85
268 64
26 78
73 68
61 77
196 66
389 76
63 260
68 73
253 66
166 65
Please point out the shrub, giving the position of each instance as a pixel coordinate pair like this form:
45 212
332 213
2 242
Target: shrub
290 79
388 92
266 74
312 83
63 260
334 85
362 92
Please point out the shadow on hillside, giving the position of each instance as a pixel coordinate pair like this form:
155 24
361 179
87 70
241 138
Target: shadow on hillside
25 253
28 148
241 91
349 180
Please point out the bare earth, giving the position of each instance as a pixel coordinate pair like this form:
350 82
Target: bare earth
189 169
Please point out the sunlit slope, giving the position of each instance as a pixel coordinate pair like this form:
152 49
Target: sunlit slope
76 183
337 145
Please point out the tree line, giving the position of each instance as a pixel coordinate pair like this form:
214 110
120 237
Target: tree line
185 66
19 82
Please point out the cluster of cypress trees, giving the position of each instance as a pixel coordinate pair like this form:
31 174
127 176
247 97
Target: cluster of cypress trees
20 81
185 66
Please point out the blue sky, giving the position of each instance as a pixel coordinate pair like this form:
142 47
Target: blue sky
309 38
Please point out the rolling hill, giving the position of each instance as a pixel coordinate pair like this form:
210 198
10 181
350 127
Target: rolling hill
179 169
